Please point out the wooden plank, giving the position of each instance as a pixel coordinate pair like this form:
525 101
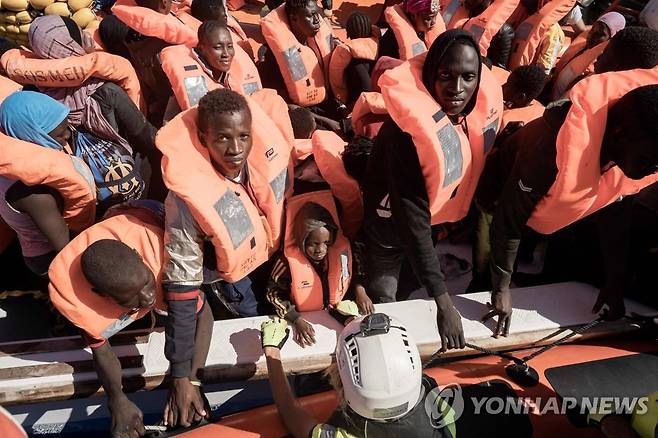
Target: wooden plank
67 343
59 368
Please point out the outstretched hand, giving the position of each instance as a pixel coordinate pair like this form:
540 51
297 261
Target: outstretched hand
449 323
184 405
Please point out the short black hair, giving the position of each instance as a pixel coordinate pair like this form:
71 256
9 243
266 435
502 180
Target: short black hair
207 27
355 157
110 266
358 25
637 47
530 79
206 10
641 106
303 123
294 5
219 101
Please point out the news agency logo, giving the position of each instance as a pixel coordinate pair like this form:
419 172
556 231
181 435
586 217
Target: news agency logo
444 406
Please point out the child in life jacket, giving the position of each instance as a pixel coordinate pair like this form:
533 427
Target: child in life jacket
316 252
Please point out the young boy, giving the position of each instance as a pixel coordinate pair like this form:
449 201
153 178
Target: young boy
314 271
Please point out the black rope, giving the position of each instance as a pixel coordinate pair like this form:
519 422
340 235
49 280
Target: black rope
523 361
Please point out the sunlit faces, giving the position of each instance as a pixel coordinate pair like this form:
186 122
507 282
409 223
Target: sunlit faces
228 139
457 78
598 34
306 21
217 49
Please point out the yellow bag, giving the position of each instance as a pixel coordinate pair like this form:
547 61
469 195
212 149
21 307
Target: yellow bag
76 5
10 18
41 4
58 9
93 25
24 28
23 17
15 5
11 29
83 17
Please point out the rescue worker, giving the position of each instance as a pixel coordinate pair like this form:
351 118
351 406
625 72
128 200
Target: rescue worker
615 109
214 63
297 27
318 268
578 60
413 27
85 289
404 195
215 216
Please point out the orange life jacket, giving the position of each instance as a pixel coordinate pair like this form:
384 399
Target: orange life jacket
575 48
530 32
500 74
526 114
343 54
327 150
169 28
454 13
304 67
485 26
244 224
580 65
302 148
7 87
368 114
26 68
580 188
277 109
191 80
450 160
70 292
405 34
9 426
306 286
69 175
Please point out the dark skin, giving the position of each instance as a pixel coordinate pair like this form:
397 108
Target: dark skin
476 7
456 81
44 206
514 96
161 6
305 22
218 51
608 60
531 6
423 22
134 294
228 139
598 34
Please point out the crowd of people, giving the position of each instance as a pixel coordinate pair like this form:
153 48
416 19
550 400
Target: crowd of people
164 166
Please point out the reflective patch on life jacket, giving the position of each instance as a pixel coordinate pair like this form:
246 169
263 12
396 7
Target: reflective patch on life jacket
250 88
489 133
196 88
452 153
329 38
117 325
523 31
295 63
233 213
279 184
450 10
418 48
477 32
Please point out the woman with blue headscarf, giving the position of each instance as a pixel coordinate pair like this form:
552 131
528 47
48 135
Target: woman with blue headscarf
34 212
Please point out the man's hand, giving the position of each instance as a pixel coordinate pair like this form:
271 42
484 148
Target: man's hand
449 322
501 306
184 405
613 300
304 332
127 419
363 301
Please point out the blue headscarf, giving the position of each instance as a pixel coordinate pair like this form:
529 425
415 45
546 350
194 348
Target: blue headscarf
31 116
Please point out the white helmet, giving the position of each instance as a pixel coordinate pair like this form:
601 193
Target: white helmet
379 367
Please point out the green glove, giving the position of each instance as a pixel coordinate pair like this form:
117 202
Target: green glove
348 308
274 333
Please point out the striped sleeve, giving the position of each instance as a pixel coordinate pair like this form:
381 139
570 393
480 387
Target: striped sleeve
278 291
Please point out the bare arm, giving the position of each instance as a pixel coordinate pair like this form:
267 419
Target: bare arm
298 421
40 203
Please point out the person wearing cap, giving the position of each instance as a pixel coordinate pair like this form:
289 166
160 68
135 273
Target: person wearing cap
391 397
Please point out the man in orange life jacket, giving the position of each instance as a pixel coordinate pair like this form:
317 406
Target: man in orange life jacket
527 165
523 85
632 47
86 290
305 22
